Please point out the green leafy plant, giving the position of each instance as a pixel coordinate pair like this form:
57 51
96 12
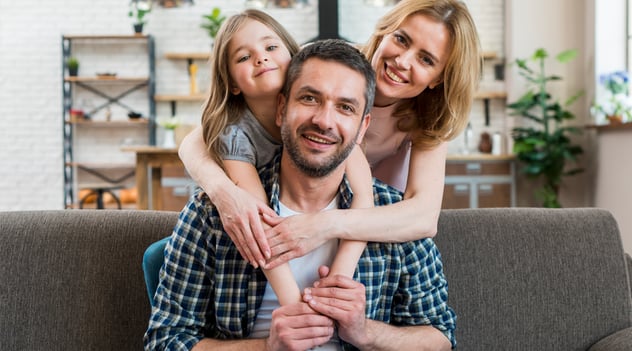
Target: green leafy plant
544 147
169 123
72 63
138 10
213 21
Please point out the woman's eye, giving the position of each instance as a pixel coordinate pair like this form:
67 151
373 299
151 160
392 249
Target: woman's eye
399 38
427 60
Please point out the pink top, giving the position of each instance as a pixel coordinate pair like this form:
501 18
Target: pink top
387 149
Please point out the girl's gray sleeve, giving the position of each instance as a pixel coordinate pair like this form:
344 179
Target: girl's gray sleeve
235 145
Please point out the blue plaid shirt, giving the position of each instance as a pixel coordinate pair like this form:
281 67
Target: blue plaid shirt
206 289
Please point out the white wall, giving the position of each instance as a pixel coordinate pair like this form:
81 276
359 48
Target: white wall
30 70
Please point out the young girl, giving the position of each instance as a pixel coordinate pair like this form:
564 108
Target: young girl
251 54
426 56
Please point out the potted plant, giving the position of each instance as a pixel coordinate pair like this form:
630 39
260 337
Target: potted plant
169 125
73 66
614 103
138 9
212 22
544 147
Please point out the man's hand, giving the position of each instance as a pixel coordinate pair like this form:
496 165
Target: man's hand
298 327
342 299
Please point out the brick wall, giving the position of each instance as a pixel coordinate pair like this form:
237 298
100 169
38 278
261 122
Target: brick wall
30 75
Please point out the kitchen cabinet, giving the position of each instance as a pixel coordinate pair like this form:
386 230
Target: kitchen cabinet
477 180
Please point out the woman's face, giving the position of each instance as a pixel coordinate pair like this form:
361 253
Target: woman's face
410 59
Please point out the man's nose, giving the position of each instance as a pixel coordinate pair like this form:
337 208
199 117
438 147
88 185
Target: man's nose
324 117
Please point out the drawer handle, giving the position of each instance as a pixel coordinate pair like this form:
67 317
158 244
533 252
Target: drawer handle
461 189
473 167
486 188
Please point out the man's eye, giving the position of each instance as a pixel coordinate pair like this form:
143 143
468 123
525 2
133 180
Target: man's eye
307 98
348 108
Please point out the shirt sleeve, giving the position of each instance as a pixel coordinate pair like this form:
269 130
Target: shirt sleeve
182 298
422 296
235 145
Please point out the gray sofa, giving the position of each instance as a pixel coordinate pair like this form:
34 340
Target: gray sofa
520 279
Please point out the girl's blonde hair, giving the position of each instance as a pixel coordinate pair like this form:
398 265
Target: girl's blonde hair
438 114
223 108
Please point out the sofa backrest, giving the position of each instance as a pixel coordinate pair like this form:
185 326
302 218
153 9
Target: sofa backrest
534 279
72 280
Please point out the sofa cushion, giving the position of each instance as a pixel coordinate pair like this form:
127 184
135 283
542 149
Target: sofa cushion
72 280
534 279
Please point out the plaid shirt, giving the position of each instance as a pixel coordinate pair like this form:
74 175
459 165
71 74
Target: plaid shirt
207 290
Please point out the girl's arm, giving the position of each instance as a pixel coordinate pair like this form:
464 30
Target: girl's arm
281 279
359 175
413 218
238 209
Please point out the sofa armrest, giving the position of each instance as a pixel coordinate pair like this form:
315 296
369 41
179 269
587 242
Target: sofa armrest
619 341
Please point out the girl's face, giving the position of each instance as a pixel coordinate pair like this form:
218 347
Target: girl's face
257 61
410 59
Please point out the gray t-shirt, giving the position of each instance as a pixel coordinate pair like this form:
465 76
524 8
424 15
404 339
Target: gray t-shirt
247 141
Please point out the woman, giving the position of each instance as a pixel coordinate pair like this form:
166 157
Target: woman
426 55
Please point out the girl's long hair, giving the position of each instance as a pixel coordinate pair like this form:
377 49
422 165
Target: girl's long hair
439 114
223 108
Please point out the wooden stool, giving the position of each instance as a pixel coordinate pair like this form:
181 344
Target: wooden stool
99 191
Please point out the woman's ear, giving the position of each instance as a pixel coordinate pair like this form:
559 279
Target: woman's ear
433 84
235 90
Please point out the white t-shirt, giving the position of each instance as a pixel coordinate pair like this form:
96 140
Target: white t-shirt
305 271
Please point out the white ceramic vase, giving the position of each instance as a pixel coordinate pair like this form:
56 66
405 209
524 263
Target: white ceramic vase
169 139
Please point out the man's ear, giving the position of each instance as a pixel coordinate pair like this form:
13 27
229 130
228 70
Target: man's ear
280 108
364 126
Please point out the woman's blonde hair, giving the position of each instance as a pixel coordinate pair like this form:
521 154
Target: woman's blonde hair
438 114
223 108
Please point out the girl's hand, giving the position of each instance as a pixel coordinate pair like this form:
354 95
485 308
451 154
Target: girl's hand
294 236
240 214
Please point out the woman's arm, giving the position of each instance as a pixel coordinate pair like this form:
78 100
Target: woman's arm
413 218
238 209
280 278
359 175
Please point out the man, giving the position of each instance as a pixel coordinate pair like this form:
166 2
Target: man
209 298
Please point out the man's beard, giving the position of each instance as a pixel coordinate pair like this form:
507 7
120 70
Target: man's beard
313 169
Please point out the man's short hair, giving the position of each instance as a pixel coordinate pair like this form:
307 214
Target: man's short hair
335 50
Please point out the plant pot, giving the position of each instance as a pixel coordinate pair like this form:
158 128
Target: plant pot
616 119
169 141
138 28
73 71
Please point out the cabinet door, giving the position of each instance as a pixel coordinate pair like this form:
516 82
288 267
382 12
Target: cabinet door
494 195
456 196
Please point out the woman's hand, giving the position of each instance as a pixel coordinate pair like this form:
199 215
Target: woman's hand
240 214
294 236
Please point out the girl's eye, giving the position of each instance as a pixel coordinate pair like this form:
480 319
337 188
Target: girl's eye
271 47
243 58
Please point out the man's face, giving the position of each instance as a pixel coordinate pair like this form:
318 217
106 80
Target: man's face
321 120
